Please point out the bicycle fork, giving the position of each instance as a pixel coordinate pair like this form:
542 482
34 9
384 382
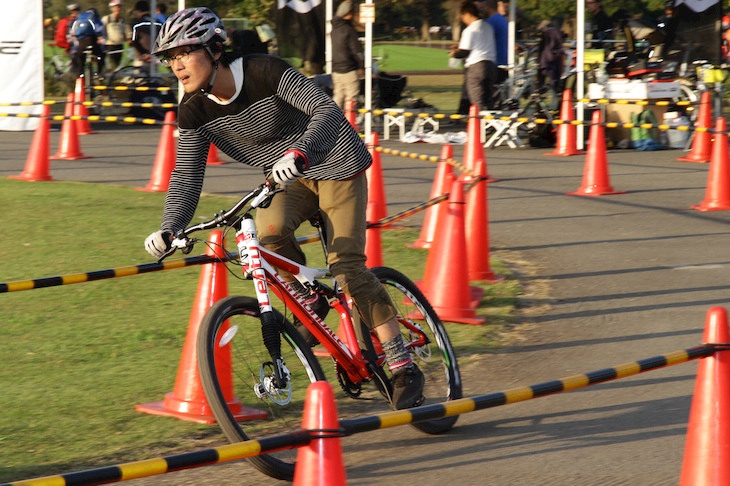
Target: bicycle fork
274 375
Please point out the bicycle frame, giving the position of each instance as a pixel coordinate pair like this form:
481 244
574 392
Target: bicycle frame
258 263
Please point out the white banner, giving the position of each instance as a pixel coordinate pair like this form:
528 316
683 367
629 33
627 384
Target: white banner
21 61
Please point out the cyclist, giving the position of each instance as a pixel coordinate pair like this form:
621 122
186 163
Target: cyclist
262 112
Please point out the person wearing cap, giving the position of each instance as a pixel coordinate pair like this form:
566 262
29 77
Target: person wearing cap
118 33
262 112
347 56
63 27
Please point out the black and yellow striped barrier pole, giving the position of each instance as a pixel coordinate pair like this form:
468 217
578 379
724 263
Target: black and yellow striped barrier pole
232 452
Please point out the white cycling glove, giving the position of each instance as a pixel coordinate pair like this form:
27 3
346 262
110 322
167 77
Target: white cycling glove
158 243
287 169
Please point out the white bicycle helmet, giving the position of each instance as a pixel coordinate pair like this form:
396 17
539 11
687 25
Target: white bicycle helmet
189 27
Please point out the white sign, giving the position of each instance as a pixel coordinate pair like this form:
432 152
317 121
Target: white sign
367 13
21 61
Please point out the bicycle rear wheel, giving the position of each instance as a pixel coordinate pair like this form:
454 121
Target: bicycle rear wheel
230 344
436 359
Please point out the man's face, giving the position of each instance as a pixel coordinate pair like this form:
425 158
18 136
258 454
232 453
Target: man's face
594 6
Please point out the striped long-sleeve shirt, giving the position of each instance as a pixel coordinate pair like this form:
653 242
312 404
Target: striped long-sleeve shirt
275 109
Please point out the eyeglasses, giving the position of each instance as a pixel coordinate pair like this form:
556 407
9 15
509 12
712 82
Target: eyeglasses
183 57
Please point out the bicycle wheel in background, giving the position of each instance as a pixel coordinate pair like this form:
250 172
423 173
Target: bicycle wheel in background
436 359
230 341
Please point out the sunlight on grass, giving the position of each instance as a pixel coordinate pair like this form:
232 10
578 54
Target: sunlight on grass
78 358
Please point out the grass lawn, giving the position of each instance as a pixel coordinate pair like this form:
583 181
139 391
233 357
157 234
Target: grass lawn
76 359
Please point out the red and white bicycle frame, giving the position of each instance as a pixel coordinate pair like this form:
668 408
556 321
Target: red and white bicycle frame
259 264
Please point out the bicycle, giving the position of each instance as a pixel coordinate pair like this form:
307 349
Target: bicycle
271 362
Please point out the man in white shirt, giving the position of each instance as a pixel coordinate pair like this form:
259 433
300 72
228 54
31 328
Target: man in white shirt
478 49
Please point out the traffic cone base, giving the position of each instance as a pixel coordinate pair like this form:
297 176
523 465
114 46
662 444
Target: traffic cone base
707 450
465 315
595 173
320 462
717 193
701 151
198 412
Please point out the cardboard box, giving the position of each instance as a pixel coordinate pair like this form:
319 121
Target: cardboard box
634 89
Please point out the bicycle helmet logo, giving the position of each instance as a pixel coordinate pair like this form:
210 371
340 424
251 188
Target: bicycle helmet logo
193 26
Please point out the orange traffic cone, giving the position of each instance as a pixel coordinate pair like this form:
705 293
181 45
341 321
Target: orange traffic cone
707 448
445 281
441 185
320 462
187 400
213 158
474 148
376 186
595 174
717 194
566 143
351 113
477 230
702 142
83 127
37 164
69 147
373 244
165 158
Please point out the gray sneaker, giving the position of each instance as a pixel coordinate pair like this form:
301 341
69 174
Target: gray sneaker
408 382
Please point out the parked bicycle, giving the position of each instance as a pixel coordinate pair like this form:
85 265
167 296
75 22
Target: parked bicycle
271 362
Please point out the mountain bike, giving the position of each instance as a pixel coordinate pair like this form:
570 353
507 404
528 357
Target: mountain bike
272 364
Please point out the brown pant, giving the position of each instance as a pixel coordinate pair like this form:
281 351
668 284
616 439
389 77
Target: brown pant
343 205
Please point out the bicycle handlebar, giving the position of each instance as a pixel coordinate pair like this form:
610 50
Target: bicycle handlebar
259 197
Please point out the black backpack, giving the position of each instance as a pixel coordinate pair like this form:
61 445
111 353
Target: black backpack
542 135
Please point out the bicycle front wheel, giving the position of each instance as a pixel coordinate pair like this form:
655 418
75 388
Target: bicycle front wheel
436 359
230 345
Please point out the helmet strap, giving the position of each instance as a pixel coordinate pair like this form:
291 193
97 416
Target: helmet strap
215 71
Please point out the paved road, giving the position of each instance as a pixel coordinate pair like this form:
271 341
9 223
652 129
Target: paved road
609 280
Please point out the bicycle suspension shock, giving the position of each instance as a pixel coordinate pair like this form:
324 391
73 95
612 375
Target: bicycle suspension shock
272 341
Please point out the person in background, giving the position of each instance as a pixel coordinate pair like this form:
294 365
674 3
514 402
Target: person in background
118 33
347 56
602 24
551 55
161 12
63 28
264 113
669 22
479 52
86 34
142 27
501 36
